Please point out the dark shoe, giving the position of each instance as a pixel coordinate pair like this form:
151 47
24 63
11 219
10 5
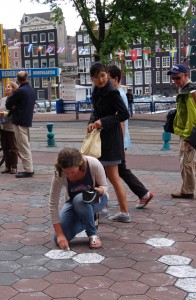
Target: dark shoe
5 171
26 172
181 195
24 175
144 201
13 171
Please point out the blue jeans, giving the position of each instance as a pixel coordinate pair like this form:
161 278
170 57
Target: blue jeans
76 216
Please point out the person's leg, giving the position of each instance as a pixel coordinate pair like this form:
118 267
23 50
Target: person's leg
13 150
6 152
23 143
71 224
187 168
131 180
113 176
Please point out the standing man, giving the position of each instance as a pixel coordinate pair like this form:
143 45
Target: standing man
114 75
130 101
21 105
184 122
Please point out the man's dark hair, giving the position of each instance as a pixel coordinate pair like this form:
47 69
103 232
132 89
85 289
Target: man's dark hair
96 68
114 71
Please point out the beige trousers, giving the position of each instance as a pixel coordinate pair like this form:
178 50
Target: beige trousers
187 168
23 142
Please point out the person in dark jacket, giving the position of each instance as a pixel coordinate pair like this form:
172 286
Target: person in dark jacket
130 101
108 112
21 105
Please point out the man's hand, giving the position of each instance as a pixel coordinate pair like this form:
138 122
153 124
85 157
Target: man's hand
62 242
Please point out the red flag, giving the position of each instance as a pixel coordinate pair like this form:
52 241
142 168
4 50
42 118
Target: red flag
133 54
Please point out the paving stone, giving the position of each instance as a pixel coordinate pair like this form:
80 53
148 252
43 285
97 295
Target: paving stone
8 279
160 242
187 284
36 227
174 260
60 254
63 290
61 265
181 271
123 274
8 266
31 285
34 260
130 288
32 250
143 256
7 292
157 279
32 272
103 294
33 296
149 267
116 262
88 258
95 282
9 255
191 296
62 277
135 297
90 270
166 293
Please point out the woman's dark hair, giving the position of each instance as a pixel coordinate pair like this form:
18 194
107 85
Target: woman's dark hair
97 67
68 158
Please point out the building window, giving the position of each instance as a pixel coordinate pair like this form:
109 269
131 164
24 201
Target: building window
15 54
81 63
157 76
147 63
158 62
87 62
27 64
43 51
139 51
26 53
35 63
16 64
166 61
138 77
80 38
93 49
138 41
128 64
41 94
51 62
138 63
26 39
165 77
86 39
34 51
88 79
34 38
51 36
42 37
82 79
129 79
147 77
52 49
36 82
44 82
87 49
43 63
174 61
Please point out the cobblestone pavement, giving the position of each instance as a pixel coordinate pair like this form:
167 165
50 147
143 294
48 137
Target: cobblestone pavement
153 257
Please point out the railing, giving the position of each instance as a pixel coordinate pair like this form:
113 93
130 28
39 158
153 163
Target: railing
139 106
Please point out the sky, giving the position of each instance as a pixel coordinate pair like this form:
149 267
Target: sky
11 13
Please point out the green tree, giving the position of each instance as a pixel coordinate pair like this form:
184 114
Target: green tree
116 24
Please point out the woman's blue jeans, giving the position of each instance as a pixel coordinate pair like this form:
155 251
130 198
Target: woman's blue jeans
76 216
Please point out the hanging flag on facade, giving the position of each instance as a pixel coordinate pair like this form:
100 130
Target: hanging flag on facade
60 50
49 49
19 44
10 43
73 50
82 51
133 54
187 50
39 48
173 52
30 47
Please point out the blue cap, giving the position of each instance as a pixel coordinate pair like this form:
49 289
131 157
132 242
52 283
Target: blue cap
177 69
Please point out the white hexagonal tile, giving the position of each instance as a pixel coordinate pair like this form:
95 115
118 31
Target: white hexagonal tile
82 234
187 284
181 271
88 258
60 254
191 296
174 260
160 242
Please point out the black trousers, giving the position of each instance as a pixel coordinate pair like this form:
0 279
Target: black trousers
131 180
10 150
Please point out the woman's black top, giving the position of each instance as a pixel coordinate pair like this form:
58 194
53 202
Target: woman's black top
111 110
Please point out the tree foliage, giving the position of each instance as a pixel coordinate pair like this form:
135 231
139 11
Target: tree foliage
115 24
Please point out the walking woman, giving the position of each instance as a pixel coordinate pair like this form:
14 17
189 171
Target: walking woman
108 112
8 140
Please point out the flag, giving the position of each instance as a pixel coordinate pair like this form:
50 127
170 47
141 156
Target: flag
145 53
30 47
82 51
133 54
39 48
73 50
19 44
50 49
173 52
187 50
60 50
10 43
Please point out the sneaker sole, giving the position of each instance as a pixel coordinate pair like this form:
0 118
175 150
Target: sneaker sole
121 221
